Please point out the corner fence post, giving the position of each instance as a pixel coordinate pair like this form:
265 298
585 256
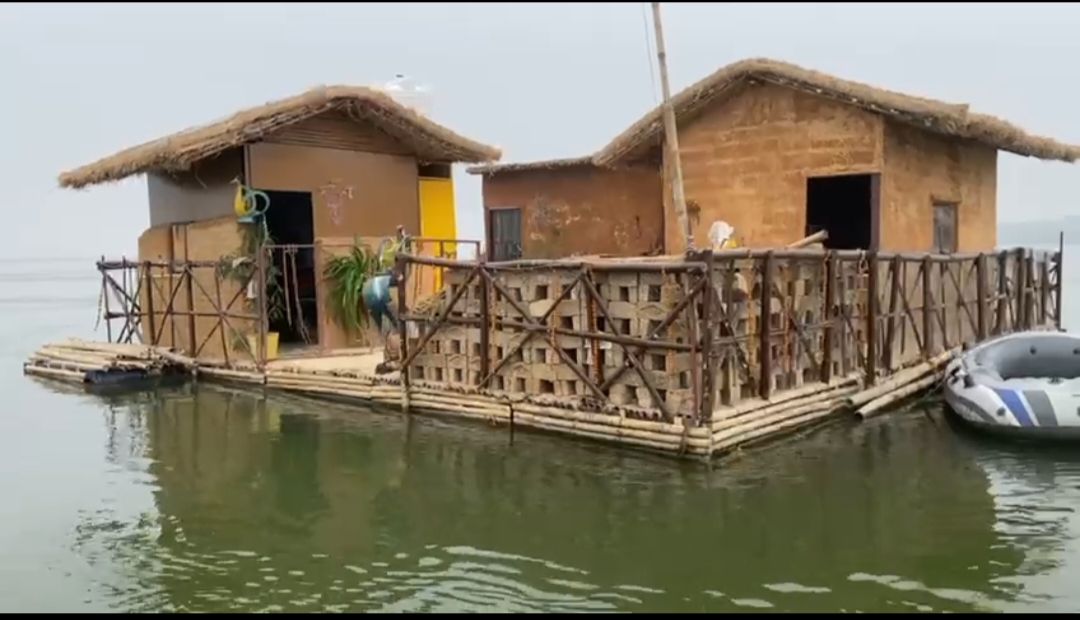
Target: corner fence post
149 285
928 309
400 271
1001 323
260 269
103 268
980 293
1059 263
485 320
1022 283
872 319
708 386
830 315
765 326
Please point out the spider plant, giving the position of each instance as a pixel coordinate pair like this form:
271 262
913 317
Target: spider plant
346 275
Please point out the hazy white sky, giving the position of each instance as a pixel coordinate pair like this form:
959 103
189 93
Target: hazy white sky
81 81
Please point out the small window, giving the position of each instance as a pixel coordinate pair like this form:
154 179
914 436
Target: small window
504 233
945 228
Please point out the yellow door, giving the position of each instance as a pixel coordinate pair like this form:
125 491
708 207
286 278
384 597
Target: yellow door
437 222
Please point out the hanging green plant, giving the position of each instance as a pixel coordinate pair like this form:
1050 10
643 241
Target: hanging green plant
346 275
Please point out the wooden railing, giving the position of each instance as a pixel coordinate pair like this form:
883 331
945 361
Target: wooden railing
213 309
668 339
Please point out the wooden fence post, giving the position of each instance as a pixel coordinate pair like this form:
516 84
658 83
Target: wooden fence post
980 294
830 316
708 385
765 326
928 309
872 320
1000 324
400 269
485 319
1021 283
1059 263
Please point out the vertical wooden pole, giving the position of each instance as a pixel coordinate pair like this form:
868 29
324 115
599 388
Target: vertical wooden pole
223 323
400 269
1000 325
765 326
872 319
1059 263
894 303
1044 290
149 285
830 316
671 131
261 301
708 401
928 309
485 318
980 292
1021 297
190 293
105 297
1029 307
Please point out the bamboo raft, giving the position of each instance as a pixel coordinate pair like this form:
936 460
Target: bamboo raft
91 363
99 363
730 428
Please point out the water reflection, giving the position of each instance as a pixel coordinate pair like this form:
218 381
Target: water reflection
288 505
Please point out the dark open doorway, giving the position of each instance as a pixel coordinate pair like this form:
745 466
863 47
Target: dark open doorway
846 206
290 222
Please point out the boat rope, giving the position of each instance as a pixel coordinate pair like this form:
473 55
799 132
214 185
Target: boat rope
100 307
649 51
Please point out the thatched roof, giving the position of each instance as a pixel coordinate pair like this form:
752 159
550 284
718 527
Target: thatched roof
927 114
547 164
179 151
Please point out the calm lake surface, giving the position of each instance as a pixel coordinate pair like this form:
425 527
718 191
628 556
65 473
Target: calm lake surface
209 499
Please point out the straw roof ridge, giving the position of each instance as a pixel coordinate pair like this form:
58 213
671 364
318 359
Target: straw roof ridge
545 164
181 150
940 117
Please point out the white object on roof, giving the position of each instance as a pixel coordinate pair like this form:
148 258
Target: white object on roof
408 92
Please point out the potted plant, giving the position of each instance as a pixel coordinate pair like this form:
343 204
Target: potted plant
347 274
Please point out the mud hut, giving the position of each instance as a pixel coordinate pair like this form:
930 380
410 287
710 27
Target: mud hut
555 208
336 163
780 151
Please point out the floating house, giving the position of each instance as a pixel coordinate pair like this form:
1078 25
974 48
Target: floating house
336 163
778 152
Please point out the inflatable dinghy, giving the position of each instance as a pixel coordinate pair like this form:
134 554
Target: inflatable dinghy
1026 383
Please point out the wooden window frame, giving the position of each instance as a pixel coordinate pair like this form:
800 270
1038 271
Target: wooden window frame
490 232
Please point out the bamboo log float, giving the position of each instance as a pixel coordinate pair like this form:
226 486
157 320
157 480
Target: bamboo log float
240 375
778 417
364 388
834 391
787 424
883 402
56 373
790 395
900 379
41 362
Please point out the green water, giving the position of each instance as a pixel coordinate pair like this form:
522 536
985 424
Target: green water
209 499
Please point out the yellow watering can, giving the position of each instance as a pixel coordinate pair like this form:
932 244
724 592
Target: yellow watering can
246 202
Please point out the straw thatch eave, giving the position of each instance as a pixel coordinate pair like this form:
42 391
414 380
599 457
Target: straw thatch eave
546 164
952 120
429 140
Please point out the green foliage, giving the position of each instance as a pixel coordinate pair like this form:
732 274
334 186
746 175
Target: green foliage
241 267
346 275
